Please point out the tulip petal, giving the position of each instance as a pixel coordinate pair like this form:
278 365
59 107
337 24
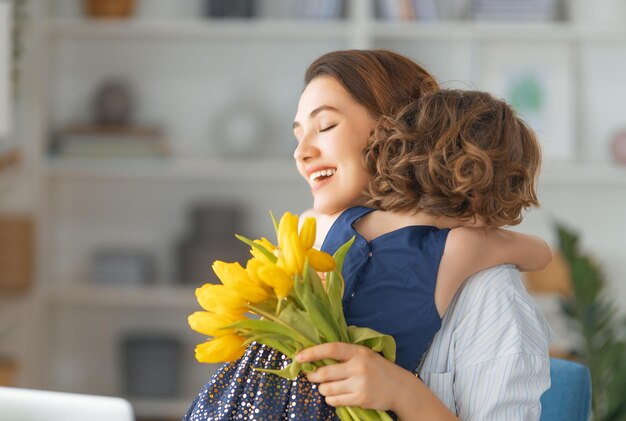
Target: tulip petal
288 224
220 299
221 349
278 279
307 233
234 276
320 261
211 324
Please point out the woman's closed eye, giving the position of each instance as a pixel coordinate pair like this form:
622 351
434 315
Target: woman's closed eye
327 128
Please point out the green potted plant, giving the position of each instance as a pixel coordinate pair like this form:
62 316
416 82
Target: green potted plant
603 333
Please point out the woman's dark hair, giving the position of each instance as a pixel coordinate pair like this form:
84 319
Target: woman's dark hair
382 81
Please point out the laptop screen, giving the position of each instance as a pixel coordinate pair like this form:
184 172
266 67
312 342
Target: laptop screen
35 405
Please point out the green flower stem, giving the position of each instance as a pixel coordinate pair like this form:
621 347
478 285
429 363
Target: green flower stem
297 335
344 414
278 306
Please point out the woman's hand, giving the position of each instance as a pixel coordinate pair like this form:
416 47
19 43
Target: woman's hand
360 378
366 379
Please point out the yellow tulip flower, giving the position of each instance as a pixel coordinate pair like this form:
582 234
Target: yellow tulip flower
288 224
252 268
221 349
307 233
220 299
277 278
293 247
234 276
268 246
320 261
210 324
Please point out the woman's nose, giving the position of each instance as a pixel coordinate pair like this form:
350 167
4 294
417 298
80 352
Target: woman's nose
305 150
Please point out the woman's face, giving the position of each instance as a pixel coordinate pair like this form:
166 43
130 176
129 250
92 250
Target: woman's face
332 130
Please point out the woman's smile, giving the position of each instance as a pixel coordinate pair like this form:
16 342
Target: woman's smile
332 130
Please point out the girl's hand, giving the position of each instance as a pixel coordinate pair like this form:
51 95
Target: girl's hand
360 378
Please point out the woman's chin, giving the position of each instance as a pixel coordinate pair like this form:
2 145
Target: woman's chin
324 207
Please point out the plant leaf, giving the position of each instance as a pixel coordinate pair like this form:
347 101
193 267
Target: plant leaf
341 252
374 340
290 372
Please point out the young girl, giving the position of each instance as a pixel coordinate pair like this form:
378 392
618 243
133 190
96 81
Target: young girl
402 271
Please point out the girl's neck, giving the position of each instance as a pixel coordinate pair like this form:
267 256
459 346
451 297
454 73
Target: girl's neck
406 218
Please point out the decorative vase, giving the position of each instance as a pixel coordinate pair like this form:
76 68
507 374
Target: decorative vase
109 8
618 147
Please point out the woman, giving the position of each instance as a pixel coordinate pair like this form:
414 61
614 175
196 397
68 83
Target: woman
365 85
490 359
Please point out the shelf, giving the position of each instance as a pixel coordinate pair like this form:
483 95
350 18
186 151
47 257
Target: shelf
596 175
127 297
331 29
199 28
466 31
485 31
283 170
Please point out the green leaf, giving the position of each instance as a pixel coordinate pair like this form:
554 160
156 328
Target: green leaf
602 332
275 224
298 319
320 316
334 291
263 326
376 341
286 347
341 252
290 372
313 281
281 321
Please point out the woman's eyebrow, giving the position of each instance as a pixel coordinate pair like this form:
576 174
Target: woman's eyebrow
316 112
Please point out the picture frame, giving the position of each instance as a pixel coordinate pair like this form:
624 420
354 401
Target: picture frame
537 80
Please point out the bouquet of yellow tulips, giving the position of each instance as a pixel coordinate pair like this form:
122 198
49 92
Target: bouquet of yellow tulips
282 285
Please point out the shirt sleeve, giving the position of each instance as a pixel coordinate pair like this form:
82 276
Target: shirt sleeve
489 361
507 388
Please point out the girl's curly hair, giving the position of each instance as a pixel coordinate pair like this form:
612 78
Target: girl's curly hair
460 154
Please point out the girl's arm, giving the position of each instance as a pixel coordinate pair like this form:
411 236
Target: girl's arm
470 250
364 378
488 247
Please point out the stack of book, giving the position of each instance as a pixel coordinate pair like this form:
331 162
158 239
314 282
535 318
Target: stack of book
292 9
319 9
114 267
230 8
109 142
539 10
424 10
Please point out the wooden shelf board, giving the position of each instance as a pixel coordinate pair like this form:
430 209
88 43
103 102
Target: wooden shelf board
199 28
283 170
127 297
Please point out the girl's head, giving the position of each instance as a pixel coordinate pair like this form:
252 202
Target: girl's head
459 154
345 93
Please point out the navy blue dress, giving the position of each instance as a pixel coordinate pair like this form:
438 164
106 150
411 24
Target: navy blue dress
389 286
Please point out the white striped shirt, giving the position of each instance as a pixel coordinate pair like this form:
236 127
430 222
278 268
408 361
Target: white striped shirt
490 359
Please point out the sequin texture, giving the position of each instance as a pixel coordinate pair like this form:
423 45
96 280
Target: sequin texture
239 392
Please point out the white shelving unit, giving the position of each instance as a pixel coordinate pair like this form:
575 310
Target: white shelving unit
186 71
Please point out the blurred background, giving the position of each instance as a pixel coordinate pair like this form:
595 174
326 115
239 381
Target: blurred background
136 136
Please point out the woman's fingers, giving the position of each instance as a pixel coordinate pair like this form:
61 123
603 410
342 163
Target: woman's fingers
347 399
341 387
329 373
338 351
